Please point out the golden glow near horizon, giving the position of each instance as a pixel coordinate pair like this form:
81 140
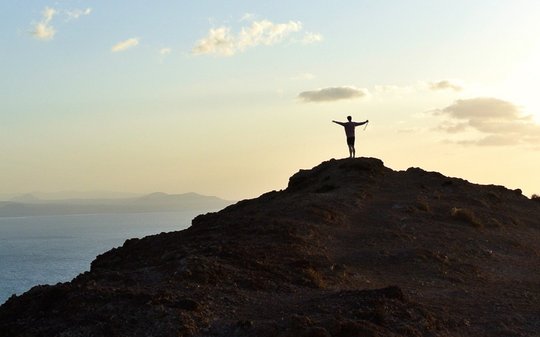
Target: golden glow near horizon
231 101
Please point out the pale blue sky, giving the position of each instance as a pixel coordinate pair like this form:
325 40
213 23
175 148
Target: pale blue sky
74 115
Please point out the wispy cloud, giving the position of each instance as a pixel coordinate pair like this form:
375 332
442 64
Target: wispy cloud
165 51
420 86
247 17
266 33
124 45
310 38
497 121
77 13
43 30
218 41
332 94
453 126
222 41
445 85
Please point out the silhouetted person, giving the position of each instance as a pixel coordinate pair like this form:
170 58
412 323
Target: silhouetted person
349 131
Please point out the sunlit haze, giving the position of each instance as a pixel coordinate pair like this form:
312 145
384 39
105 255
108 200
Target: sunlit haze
232 98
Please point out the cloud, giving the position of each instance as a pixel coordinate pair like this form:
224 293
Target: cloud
420 86
453 127
498 122
218 41
266 33
124 45
43 30
165 51
444 85
247 17
222 41
310 38
77 13
492 140
332 94
48 14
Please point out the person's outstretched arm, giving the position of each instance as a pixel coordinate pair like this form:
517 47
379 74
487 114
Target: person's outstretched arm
340 123
362 123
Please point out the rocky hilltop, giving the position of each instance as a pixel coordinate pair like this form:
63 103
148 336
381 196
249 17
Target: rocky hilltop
349 248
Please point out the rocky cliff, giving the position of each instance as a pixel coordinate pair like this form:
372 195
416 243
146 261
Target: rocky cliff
350 248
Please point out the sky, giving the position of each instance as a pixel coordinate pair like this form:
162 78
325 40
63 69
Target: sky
231 98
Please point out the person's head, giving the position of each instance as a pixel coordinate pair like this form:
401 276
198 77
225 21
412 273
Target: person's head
349 118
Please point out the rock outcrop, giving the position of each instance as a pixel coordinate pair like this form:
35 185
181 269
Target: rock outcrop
350 248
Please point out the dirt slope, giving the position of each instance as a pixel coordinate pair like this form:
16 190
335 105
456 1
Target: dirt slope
350 248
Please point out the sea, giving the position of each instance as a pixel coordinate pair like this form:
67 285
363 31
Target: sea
50 249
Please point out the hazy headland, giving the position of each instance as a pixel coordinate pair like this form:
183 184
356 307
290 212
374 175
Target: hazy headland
29 205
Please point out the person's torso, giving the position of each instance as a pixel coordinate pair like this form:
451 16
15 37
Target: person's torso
349 128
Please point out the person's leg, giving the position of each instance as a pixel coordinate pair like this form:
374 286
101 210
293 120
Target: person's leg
350 142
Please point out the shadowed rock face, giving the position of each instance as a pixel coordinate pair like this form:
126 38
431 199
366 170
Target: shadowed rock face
350 248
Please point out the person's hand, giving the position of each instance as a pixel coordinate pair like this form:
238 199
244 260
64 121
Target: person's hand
367 120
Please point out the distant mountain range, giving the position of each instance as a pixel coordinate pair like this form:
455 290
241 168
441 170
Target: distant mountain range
68 194
30 205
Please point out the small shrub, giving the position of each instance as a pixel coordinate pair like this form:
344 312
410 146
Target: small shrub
314 278
516 222
423 205
536 198
466 215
